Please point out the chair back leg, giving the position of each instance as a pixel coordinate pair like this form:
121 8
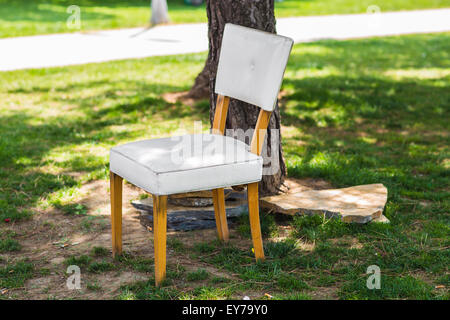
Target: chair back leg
253 211
159 236
116 213
220 214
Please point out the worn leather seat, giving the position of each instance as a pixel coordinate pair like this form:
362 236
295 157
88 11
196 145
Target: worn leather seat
186 163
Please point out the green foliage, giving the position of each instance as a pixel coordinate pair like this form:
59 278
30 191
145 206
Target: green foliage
279 249
9 245
208 293
71 208
12 214
391 288
216 280
317 227
146 290
291 282
268 225
137 263
175 244
81 261
94 286
354 112
14 275
101 266
200 274
100 252
204 247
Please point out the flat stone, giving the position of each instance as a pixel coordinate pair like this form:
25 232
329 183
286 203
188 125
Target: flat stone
233 198
195 199
198 194
381 219
187 220
360 204
191 202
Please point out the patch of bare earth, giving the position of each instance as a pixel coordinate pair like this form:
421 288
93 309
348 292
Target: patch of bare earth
50 237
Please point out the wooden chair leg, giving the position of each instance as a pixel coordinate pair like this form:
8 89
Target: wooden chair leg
253 210
159 236
220 214
116 213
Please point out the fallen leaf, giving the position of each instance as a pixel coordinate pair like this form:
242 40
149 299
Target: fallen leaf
268 295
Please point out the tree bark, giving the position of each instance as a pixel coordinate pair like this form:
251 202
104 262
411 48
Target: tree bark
258 14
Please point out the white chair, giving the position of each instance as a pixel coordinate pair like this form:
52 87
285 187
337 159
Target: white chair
251 68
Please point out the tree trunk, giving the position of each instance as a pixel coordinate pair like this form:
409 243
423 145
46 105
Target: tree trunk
200 89
160 12
258 14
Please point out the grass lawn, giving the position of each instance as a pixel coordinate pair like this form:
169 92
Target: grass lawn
23 17
353 112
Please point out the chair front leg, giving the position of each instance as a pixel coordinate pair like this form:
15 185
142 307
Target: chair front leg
116 213
253 211
159 236
220 214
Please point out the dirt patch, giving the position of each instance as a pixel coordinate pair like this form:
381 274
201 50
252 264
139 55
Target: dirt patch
182 97
293 185
50 237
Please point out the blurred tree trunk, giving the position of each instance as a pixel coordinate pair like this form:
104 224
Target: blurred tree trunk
253 14
160 12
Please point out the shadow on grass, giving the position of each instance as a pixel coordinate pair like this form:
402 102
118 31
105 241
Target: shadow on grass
25 143
375 112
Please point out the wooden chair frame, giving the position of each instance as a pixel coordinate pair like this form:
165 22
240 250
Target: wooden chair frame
160 201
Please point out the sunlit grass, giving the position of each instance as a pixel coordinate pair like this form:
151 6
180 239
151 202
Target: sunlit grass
22 17
349 116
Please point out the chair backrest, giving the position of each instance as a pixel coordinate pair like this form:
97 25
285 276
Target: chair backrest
251 65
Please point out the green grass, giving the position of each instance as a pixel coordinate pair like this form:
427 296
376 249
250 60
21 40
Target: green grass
267 222
146 290
279 249
100 252
140 264
9 245
353 112
14 275
406 287
22 17
200 274
101 266
93 286
81 261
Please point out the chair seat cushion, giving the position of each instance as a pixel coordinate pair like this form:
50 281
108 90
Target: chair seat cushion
186 163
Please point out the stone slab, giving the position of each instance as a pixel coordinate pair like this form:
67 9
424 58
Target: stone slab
360 204
187 220
195 199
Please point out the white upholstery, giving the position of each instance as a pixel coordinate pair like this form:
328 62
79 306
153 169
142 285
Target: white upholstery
186 163
251 65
